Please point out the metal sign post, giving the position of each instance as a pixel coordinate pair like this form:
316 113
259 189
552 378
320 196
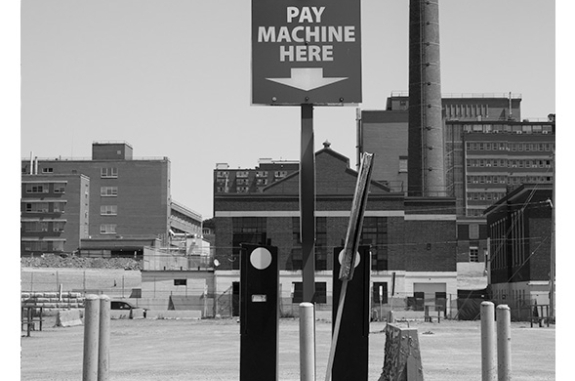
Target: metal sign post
307 203
306 53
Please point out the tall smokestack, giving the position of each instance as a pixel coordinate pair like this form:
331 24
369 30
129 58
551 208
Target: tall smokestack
425 172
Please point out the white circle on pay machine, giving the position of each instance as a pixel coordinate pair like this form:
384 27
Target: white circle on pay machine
340 258
261 258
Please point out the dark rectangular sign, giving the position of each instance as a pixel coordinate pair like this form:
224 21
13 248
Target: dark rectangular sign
306 51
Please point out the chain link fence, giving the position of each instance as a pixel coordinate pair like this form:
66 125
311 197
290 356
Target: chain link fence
127 285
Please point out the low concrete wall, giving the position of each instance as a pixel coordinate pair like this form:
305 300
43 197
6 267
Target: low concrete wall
154 314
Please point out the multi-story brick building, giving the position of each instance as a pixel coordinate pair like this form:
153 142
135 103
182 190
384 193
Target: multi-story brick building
489 150
412 239
109 204
54 212
252 180
520 229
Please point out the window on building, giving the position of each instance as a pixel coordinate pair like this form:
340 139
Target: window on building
402 164
222 174
109 172
108 191
280 174
320 292
374 233
108 229
296 255
242 174
47 170
473 254
59 188
321 249
36 207
108 210
58 226
58 245
36 188
58 207
261 174
321 243
246 230
34 226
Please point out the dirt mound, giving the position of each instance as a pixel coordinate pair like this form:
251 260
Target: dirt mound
73 261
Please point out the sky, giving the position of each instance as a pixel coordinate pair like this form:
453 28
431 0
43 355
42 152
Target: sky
172 78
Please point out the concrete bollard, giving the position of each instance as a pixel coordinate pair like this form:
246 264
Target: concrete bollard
104 339
488 344
91 333
307 341
503 343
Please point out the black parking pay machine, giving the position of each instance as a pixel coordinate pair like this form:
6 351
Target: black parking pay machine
351 361
259 312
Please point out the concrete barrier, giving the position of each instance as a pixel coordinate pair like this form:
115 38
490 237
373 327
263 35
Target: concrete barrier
402 360
68 318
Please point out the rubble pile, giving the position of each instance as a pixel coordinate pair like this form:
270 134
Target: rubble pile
73 261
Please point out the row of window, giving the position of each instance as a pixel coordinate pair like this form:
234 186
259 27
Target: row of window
508 179
487 179
505 146
245 174
44 187
109 172
509 128
474 212
44 207
253 230
43 226
485 196
108 228
466 110
43 245
506 163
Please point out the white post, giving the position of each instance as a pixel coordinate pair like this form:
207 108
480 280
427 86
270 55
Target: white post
503 343
488 346
104 336
91 328
307 341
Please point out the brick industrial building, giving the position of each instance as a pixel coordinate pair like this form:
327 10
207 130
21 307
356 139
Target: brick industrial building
489 150
412 238
521 239
110 204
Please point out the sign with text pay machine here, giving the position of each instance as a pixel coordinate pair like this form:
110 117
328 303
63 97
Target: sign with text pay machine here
306 52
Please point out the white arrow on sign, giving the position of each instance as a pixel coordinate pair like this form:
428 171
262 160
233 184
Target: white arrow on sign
307 79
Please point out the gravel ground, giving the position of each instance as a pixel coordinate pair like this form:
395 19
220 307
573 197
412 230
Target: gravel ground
177 350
